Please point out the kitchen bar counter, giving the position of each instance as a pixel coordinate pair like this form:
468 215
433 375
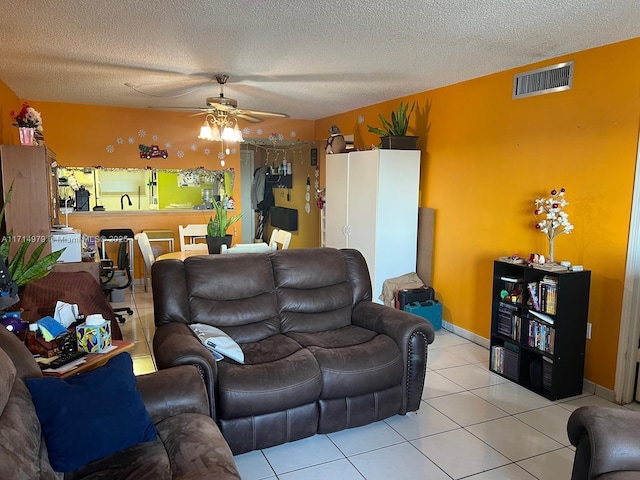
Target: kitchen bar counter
91 223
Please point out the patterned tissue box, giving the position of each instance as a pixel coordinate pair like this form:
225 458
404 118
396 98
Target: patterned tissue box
94 338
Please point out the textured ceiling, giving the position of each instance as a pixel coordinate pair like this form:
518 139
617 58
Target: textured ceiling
307 59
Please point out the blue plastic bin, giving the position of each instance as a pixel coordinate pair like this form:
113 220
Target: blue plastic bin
431 310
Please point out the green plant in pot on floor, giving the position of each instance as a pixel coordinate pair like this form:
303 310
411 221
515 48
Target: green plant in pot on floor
218 226
393 134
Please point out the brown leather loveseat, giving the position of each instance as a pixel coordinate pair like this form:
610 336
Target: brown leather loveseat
320 356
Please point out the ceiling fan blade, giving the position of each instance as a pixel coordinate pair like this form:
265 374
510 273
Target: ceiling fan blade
262 114
248 118
189 109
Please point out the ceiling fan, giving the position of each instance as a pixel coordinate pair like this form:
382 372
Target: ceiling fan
226 106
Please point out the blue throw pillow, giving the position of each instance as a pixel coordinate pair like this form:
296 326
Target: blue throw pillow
88 416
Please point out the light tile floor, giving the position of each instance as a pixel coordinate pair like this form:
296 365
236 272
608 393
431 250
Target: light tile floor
472 424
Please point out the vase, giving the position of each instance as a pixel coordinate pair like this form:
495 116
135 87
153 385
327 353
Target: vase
214 243
26 135
550 257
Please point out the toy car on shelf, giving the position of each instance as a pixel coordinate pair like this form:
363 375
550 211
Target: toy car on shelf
152 152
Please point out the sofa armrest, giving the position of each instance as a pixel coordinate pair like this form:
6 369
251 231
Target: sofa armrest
173 391
175 344
411 333
606 440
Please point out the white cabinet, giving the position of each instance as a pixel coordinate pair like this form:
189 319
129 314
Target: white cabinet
372 206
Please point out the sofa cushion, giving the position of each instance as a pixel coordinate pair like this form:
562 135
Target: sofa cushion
277 374
313 289
79 421
7 377
354 361
21 438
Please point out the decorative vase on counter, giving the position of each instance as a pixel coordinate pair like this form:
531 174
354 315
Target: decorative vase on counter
26 135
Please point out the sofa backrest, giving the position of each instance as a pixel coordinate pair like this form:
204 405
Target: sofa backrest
314 289
254 296
233 292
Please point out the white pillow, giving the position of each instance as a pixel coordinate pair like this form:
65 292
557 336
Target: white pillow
218 342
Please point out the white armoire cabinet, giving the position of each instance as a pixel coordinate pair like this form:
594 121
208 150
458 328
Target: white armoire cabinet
372 206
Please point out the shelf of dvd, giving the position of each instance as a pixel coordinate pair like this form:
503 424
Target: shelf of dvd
539 327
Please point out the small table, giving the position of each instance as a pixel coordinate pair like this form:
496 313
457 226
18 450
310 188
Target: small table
182 255
95 360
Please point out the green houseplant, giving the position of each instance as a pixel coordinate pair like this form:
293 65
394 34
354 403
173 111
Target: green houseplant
218 226
35 267
393 134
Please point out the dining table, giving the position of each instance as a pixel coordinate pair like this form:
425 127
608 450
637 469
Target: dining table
181 255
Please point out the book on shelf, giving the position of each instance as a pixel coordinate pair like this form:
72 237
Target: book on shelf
542 316
533 292
541 336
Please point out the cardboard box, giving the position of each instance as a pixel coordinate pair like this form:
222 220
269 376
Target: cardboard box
94 338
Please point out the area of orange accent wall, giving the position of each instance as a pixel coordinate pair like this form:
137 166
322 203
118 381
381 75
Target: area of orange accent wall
90 135
486 157
8 101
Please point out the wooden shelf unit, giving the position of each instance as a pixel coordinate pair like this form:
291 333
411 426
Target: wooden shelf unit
543 351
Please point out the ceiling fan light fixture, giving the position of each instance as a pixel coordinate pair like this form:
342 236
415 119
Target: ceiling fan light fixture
227 134
215 133
205 132
238 134
220 127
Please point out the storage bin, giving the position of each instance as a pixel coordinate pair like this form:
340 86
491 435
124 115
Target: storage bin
431 310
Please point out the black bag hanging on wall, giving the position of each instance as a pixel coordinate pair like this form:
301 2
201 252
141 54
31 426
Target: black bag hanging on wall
405 296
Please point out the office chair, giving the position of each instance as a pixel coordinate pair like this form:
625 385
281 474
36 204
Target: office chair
110 281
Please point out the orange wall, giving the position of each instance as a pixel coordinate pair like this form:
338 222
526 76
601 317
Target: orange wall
486 158
8 101
89 135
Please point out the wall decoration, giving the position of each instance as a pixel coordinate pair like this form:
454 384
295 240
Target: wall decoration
152 151
188 179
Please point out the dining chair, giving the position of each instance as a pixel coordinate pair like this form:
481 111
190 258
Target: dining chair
247 248
190 234
280 239
147 255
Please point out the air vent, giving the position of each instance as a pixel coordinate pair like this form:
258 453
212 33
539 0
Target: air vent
544 80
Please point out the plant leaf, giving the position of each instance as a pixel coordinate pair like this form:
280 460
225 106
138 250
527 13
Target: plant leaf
40 269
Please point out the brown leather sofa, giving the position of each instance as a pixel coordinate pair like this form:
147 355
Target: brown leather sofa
320 356
607 443
177 404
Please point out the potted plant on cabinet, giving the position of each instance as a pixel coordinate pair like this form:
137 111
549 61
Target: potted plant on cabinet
19 270
393 134
218 226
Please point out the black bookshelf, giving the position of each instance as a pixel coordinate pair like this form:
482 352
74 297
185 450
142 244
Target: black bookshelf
539 327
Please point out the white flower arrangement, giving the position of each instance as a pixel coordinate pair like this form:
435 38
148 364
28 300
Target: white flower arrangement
27 117
552 219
